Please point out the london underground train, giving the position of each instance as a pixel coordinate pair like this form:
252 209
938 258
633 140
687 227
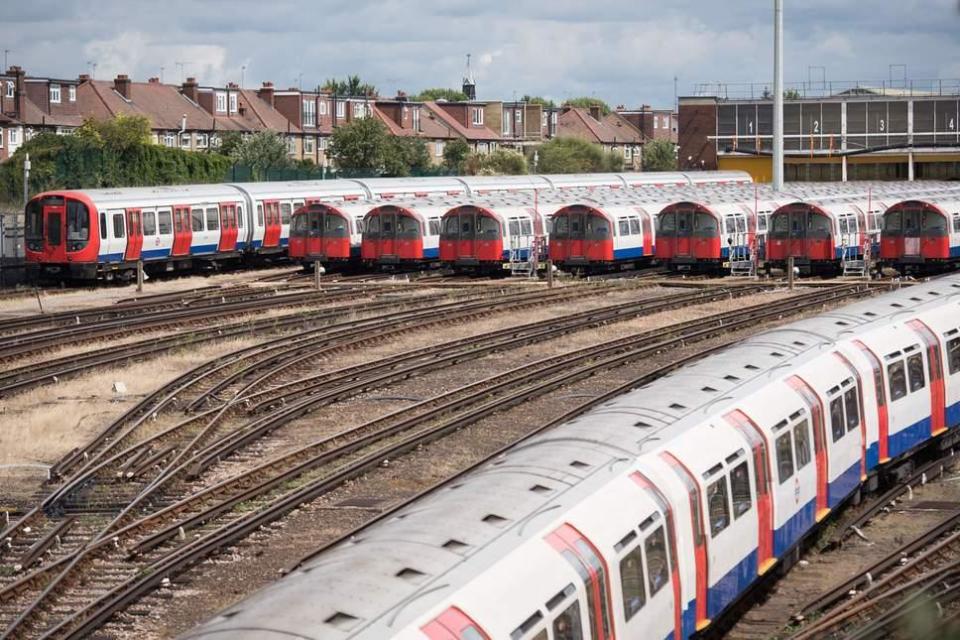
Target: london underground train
922 234
653 513
329 232
405 234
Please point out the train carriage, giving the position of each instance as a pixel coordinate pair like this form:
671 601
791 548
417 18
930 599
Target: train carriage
104 233
653 513
922 234
601 235
329 232
702 236
405 233
481 237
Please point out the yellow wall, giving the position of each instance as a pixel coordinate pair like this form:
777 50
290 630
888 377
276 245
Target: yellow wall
760 168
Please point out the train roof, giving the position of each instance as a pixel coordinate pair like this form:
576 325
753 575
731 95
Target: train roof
454 534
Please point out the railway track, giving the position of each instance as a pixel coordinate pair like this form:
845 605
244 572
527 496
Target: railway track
369 444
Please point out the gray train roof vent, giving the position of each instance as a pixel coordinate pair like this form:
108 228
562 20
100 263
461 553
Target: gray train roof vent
454 545
731 378
342 621
494 519
677 406
577 464
708 389
411 574
539 488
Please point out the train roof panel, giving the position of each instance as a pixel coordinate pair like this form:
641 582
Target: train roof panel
302 188
160 195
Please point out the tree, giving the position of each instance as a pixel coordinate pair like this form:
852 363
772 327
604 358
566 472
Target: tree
572 155
659 155
791 94
403 155
262 152
496 163
230 141
587 102
455 154
549 104
119 134
350 86
439 93
359 145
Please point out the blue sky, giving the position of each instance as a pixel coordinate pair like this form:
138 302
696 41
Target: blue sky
625 52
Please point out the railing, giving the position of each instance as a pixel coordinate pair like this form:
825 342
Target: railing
829 88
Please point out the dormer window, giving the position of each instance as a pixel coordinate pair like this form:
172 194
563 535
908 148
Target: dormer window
341 109
478 117
72 93
10 88
221 101
323 107
54 94
233 103
416 119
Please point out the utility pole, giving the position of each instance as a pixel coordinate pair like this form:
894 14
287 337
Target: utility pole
161 74
26 180
778 95
243 72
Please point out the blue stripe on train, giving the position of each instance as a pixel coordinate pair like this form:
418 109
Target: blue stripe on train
793 528
630 252
844 485
734 582
908 438
202 248
431 254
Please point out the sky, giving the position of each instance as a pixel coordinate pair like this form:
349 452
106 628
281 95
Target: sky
625 52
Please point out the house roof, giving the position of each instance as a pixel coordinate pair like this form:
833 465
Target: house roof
429 128
578 123
34 115
451 123
162 104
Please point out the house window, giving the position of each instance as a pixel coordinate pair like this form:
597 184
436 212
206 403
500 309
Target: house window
221 102
215 141
519 116
506 126
416 119
13 136
308 145
478 117
1 138
656 122
438 149
628 152
72 93
482 147
10 88
185 139
169 140
309 113
291 146
323 144
233 103
323 107
203 141
359 110
341 109
55 94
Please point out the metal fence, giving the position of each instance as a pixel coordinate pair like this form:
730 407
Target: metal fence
12 265
829 88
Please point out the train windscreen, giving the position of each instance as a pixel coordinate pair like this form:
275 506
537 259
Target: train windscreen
933 225
33 233
78 225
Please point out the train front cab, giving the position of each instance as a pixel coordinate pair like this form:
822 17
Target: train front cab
688 238
804 232
61 236
916 237
394 235
471 239
582 238
321 232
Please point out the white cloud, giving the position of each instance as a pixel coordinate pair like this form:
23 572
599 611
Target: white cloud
136 53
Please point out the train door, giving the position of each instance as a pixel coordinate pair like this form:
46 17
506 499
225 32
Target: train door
575 242
228 227
911 232
389 245
54 247
938 394
271 231
467 237
684 232
589 564
647 228
818 428
879 388
134 235
797 243
182 233
453 624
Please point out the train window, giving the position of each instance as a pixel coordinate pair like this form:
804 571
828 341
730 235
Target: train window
489 227
801 441
514 226
956 223
953 355
761 223
526 228
740 489
784 457
719 506
450 226
623 227
781 224
561 226
666 222
407 227
54 232
818 226
915 370
164 225
852 406
527 625
118 225
597 229
240 216
434 225
149 223
78 223
836 418
372 224
285 210
898 380
634 227
658 569
103 226
260 214
706 225
567 625
196 220
466 225
741 224
631 581
213 220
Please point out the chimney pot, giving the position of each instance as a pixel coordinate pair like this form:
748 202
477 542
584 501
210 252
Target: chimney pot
122 85
84 77
154 80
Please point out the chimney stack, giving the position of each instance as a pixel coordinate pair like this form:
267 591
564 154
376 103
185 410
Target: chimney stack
595 112
189 90
84 77
266 93
154 80
20 90
122 85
